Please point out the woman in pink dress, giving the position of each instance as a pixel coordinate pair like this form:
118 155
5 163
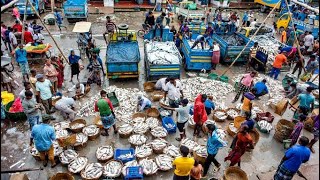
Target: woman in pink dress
215 55
51 73
58 64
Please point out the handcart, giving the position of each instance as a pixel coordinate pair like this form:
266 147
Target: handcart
82 28
37 53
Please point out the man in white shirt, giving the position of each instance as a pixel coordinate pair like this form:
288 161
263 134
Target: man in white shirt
173 90
13 39
38 37
308 41
27 87
161 83
143 103
253 23
65 105
79 90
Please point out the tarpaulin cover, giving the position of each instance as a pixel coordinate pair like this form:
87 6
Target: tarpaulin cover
16 106
123 52
75 2
6 97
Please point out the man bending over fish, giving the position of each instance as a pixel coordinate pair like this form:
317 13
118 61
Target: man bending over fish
200 39
143 103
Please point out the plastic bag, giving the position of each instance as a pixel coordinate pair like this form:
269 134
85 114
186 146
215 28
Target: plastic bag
6 97
16 106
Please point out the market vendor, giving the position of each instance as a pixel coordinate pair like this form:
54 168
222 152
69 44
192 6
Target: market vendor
143 103
247 102
38 38
161 83
199 113
173 90
31 108
262 88
209 105
307 99
200 39
246 82
279 60
79 89
106 111
66 106
45 91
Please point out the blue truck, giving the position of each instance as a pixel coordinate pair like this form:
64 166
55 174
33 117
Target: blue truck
123 55
39 5
75 10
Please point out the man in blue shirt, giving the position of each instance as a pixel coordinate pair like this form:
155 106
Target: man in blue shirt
213 144
59 19
209 105
21 58
42 135
306 99
200 39
249 122
292 160
159 25
261 87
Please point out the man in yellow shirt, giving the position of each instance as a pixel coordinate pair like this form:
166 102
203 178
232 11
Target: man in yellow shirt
183 165
247 102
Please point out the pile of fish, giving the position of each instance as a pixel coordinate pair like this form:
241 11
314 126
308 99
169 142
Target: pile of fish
86 109
91 130
138 120
232 128
159 132
189 143
61 125
62 133
232 113
220 115
68 156
162 53
149 166
191 74
172 151
128 164
152 122
143 151
104 152
198 46
233 40
137 139
165 113
274 86
81 139
92 171
140 128
158 144
254 111
269 44
77 165
201 151
125 129
164 102
265 125
125 156
77 125
112 169
164 162
192 87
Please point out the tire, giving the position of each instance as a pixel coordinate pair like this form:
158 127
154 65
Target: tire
123 26
141 33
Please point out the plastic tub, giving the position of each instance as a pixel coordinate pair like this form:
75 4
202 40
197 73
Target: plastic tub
134 172
165 123
119 152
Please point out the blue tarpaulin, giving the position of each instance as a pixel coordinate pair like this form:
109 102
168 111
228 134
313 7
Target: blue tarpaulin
76 2
123 52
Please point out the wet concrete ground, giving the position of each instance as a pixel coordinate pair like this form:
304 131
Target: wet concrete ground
262 161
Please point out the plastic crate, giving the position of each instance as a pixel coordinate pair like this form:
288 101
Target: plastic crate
166 121
119 152
134 172
113 98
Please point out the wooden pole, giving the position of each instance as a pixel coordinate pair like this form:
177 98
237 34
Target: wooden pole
315 78
8 5
24 21
250 40
52 5
49 33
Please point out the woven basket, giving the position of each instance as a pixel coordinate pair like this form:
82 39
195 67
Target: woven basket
308 124
120 171
97 121
279 136
148 86
125 135
157 95
232 173
82 171
198 158
93 137
70 140
158 151
229 117
81 121
281 107
231 133
238 120
284 124
153 112
255 136
139 114
62 175
217 119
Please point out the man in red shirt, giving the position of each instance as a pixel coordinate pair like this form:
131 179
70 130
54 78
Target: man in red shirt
17 26
200 114
27 36
277 64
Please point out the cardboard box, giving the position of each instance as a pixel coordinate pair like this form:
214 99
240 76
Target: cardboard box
19 176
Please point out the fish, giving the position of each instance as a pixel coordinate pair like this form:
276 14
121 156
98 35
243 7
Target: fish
165 113
233 40
138 120
172 151
92 170
221 133
149 166
189 143
265 125
61 125
128 164
140 128
112 169
126 156
77 125
158 144
190 74
220 115
191 121
143 151
68 156
201 151
254 111
57 149
164 162
165 102
104 152
152 122
80 139
91 130
162 53
232 113
125 129
159 132
77 165
62 133
232 128
137 139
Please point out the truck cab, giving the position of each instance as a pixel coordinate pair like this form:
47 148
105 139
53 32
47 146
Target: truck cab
39 5
189 9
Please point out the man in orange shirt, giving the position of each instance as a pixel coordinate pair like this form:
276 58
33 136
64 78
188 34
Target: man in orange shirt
283 38
277 64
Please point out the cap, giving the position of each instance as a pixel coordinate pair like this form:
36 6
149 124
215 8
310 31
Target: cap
184 101
38 76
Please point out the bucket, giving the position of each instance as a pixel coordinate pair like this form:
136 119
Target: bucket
213 76
61 175
224 79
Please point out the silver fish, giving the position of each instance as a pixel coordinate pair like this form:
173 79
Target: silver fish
140 128
128 164
112 169
162 53
77 164
149 166
61 125
91 130
61 133
125 129
158 144
143 151
77 125
189 143
232 113
152 122
81 138
137 139
164 162
172 151
67 156
220 115
159 132
92 170
201 151
104 152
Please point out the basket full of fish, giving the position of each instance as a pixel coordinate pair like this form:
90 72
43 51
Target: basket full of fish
67 156
57 150
164 162
232 113
138 117
112 169
152 122
159 132
232 131
140 128
158 145
77 125
97 121
81 141
264 126
125 130
200 153
62 133
172 151
143 151
157 95
61 125
219 115
137 139
77 165
152 112
128 164
104 153
92 131
189 144
149 166
92 171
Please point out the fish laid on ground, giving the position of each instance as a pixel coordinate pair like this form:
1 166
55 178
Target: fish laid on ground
189 143
91 130
149 166
77 164
158 144
81 139
125 129
164 162
140 128
112 169
265 125
201 151
137 139
172 151
92 170
67 156
104 152
128 164
56 147
152 122
159 132
143 151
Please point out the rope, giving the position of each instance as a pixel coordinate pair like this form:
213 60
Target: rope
250 40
